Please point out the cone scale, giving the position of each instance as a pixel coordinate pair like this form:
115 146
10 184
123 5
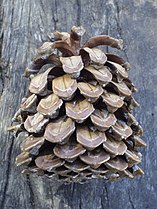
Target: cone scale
77 115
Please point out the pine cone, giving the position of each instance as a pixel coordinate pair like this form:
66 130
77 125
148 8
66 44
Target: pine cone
77 115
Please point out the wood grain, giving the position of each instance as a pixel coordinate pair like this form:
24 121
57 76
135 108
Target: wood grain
24 26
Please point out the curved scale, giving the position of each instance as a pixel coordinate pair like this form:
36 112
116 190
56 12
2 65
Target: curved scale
88 138
118 69
118 60
114 147
131 103
57 35
38 84
137 129
121 130
23 158
95 55
112 101
104 40
136 170
132 157
91 92
122 88
139 142
39 62
69 151
117 163
101 74
79 110
64 47
95 158
50 105
32 144
76 166
126 173
48 162
29 104
46 49
35 123
72 65
102 119
64 86
100 170
59 130
33 169
62 170
130 84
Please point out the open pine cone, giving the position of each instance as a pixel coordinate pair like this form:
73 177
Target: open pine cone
77 115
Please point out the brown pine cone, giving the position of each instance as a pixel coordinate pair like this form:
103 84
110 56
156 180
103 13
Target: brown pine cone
77 114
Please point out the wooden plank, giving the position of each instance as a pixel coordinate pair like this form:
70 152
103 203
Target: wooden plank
25 24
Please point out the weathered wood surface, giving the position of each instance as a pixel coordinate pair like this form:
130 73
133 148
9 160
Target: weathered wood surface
24 25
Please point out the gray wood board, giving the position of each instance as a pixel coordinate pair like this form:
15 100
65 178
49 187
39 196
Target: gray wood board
24 25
